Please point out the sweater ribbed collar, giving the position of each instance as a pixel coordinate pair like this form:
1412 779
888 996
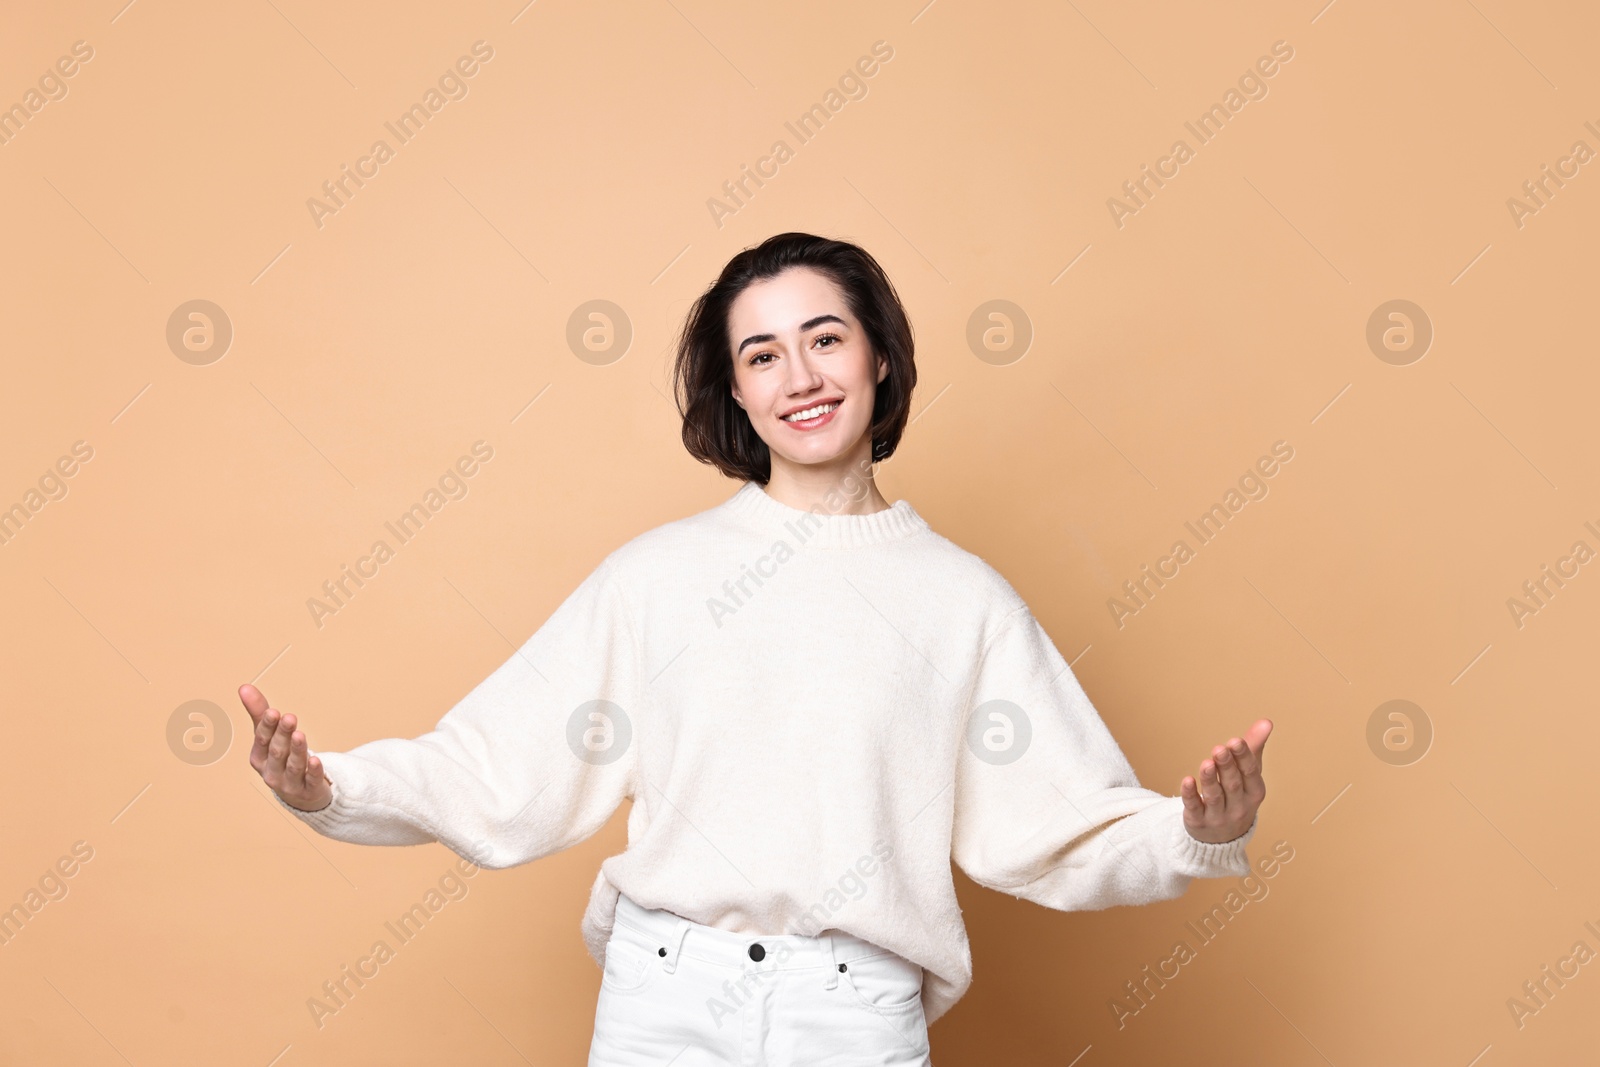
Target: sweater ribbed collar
819 526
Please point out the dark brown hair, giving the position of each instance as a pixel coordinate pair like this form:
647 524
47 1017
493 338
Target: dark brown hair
716 430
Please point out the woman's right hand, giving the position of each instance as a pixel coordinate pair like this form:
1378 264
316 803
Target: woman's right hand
281 757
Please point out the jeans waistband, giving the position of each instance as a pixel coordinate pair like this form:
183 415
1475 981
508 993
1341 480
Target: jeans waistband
679 936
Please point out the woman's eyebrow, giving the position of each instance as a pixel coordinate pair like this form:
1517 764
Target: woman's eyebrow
763 338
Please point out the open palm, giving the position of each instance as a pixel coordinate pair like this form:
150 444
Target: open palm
281 756
1222 805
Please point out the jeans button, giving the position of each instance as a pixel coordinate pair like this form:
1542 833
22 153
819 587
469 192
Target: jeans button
757 953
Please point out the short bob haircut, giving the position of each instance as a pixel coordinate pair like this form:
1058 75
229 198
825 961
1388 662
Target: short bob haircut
716 430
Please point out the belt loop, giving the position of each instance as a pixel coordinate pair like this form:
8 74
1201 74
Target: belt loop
832 979
675 945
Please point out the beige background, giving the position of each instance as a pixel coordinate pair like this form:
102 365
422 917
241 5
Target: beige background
1228 313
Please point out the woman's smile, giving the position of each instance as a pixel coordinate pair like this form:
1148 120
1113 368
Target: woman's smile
812 417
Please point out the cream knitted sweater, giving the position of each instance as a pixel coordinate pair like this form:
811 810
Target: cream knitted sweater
813 715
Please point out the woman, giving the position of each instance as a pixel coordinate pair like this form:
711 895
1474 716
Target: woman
815 703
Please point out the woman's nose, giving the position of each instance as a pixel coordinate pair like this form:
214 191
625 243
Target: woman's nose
803 377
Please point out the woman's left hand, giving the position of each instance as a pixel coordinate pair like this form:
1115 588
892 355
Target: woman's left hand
1223 804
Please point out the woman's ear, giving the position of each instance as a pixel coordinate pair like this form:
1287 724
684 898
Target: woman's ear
883 369
734 390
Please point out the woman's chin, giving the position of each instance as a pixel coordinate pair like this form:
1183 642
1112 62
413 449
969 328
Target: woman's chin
827 445
819 454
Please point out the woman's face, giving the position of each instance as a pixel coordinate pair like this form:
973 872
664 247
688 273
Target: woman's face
796 348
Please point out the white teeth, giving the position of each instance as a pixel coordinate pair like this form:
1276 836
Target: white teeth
810 413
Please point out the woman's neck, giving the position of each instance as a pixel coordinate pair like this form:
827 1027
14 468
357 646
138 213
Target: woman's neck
806 486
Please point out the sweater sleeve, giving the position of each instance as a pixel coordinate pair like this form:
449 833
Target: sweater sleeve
533 760
1047 807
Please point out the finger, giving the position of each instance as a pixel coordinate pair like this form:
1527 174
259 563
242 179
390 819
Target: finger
294 768
1228 772
1255 789
1191 798
278 752
315 773
254 700
265 728
1248 759
1256 740
1210 788
1257 736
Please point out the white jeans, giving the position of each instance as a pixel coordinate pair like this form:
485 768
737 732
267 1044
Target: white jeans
677 992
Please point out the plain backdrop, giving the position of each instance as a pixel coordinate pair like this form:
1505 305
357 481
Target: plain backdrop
1131 365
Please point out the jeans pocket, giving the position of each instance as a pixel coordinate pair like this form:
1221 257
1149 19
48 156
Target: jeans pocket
630 964
885 982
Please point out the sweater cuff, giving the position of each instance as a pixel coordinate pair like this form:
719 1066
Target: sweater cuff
338 811
1202 859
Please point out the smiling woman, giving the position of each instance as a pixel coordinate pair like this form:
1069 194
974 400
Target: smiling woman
829 391
877 687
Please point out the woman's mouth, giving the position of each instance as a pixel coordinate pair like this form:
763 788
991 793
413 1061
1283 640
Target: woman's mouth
812 417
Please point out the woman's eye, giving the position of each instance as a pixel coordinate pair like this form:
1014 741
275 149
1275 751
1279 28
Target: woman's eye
759 357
